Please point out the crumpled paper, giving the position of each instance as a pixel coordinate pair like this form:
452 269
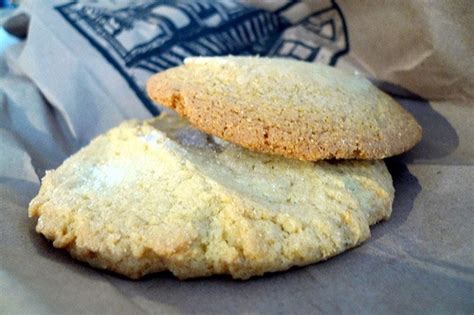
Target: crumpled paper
59 89
425 48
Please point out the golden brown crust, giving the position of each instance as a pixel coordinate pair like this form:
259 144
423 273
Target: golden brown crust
290 108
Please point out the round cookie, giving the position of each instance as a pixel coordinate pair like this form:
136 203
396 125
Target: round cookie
159 195
292 108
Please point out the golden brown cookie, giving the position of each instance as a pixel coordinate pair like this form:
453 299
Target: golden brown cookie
296 109
154 196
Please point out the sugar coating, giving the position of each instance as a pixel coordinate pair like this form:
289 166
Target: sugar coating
300 110
158 195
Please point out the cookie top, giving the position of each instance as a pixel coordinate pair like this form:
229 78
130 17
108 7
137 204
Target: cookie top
291 108
159 195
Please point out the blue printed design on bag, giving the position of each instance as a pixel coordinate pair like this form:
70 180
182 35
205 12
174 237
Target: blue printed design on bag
144 37
322 37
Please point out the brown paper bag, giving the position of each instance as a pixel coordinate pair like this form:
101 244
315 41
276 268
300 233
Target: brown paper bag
425 47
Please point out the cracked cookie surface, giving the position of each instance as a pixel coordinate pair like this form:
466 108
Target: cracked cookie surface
159 195
296 109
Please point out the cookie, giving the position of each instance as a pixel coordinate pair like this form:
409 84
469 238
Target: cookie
159 195
296 109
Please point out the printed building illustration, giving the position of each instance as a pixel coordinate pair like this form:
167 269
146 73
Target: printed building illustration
145 37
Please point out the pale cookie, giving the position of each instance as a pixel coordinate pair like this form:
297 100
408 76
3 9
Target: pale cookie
292 108
138 201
